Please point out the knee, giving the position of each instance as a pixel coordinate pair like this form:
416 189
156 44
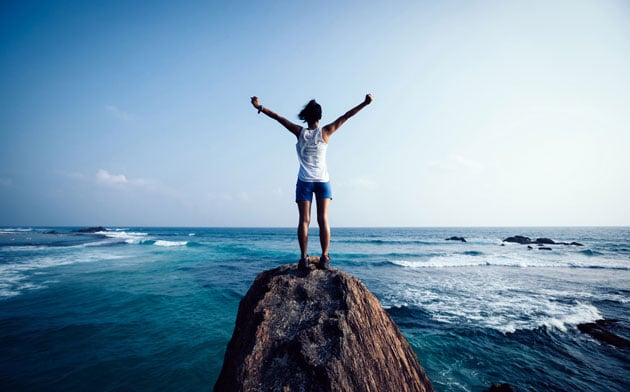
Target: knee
305 219
322 220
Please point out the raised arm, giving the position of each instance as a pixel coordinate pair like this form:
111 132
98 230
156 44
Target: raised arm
333 126
293 128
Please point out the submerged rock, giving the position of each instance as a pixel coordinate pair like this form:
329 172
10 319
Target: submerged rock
600 330
95 229
497 387
316 331
455 238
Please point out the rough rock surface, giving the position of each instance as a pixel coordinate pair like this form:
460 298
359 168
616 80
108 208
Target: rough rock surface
320 330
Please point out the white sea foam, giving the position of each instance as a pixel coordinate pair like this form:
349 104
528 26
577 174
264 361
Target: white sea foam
130 237
10 230
492 301
520 257
14 276
122 234
170 243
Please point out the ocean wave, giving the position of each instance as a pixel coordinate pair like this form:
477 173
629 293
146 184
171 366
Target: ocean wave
10 230
473 253
165 243
386 242
122 234
14 276
588 252
496 307
60 246
170 243
479 259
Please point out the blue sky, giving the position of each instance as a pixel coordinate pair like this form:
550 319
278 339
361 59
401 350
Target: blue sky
486 113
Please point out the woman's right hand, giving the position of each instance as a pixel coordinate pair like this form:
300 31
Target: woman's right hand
255 102
368 99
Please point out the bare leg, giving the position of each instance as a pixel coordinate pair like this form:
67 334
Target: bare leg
304 209
322 221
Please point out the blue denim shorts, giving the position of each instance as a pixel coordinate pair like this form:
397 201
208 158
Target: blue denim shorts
304 190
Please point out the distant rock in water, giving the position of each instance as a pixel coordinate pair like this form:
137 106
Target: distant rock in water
316 331
455 238
544 248
519 239
90 230
600 330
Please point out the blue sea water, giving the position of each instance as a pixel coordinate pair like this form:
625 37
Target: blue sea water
153 308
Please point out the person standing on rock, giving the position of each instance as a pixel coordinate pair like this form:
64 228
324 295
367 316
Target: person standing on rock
312 143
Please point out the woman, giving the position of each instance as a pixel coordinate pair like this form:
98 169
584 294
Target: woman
312 143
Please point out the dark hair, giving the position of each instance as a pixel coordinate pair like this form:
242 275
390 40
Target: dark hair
311 113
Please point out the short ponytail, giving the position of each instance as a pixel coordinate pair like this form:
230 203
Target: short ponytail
311 113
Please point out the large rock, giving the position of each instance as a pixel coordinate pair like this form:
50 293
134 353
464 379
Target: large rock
316 331
519 239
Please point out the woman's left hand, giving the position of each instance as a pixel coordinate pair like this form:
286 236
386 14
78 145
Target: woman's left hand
255 102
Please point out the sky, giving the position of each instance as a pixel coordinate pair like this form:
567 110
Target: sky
485 113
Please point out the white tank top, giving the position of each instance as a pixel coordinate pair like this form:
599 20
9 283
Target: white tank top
311 150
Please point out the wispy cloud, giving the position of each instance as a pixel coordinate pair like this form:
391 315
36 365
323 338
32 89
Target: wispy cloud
105 178
119 113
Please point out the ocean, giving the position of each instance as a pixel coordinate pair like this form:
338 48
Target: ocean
152 309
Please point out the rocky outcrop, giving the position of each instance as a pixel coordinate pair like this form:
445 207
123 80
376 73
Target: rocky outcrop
519 239
320 330
601 330
90 230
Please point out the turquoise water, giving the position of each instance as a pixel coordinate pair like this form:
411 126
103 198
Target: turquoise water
154 308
